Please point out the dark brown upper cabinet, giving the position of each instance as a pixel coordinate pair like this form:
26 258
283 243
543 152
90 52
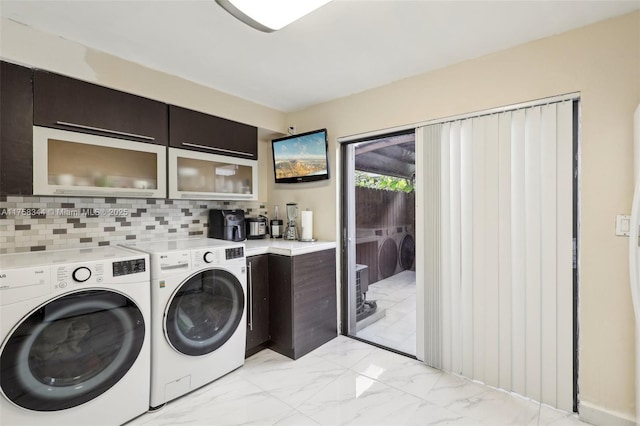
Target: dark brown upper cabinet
16 130
70 104
197 131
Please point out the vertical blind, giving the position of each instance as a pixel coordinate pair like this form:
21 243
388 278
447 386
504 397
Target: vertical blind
499 249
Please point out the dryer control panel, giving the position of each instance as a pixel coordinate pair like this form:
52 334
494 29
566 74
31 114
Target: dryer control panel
25 276
118 272
215 256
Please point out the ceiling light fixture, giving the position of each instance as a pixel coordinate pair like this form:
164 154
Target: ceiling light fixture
272 15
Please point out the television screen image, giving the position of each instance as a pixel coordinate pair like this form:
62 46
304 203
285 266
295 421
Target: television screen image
301 158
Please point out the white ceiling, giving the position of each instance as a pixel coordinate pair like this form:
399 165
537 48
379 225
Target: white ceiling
345 47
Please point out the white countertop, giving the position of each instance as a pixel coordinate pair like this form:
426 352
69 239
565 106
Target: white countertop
285 247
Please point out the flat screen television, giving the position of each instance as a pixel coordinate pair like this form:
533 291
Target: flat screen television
301 158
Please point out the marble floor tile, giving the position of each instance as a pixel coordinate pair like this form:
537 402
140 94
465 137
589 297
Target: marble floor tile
293 382
229 401
500 408
296 418
454 393
355 399
431 414
347 382
344 351
398 371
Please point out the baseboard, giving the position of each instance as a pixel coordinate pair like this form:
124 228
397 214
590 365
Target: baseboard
599 416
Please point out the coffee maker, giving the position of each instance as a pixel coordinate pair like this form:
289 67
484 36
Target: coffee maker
291 232
227 225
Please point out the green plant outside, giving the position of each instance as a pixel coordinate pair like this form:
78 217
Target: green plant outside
386 183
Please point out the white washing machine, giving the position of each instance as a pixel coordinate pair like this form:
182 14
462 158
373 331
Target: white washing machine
198 299
75 337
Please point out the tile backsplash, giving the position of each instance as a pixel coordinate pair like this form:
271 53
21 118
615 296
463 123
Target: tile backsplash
30 223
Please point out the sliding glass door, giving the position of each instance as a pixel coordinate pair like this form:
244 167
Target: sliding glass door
381 250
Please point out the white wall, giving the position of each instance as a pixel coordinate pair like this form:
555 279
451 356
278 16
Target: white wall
602 62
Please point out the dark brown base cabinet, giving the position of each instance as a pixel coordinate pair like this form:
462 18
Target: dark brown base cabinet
16 130
302 291
257 303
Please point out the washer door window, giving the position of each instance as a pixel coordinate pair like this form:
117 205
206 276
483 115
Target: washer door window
71 350
204 312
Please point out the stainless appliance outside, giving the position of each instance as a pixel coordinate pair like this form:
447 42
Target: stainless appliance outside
227 225
256 227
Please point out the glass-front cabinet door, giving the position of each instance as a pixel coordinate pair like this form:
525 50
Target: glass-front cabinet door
201 176
71 163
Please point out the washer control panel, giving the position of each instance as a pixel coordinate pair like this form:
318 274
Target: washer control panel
205 257
126 267
208 257
213 256
234 253
89 273
81 274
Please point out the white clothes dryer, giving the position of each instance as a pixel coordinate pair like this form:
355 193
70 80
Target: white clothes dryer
75 336
198 299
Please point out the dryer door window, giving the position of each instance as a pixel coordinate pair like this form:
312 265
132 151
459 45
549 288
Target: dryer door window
204 312
71 350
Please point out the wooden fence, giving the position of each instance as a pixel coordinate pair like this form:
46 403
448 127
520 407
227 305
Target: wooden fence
380 214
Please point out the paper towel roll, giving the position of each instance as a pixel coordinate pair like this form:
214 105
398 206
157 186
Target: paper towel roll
306 220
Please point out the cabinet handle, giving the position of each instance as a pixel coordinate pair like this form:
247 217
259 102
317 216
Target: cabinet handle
104 193
215 196
99 129
210 148
250 296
